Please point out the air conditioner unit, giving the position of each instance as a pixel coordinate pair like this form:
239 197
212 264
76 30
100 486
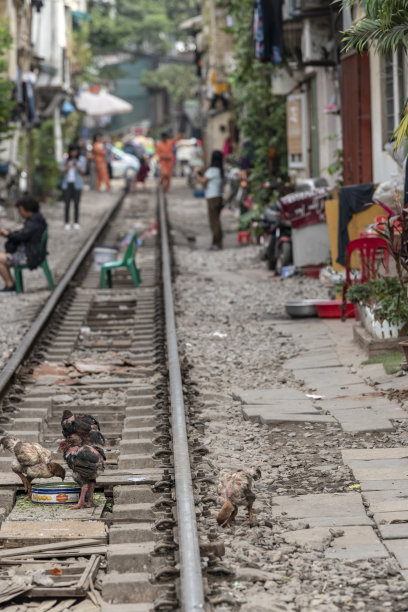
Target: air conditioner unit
302 6
315 35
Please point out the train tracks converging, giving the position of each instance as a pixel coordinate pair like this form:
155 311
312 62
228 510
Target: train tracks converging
113 354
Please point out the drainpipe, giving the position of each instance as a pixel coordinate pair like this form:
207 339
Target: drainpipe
58 147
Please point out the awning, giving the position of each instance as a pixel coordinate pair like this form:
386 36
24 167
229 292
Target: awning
101 104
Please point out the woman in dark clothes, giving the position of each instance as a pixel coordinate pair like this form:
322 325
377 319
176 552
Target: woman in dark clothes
23 248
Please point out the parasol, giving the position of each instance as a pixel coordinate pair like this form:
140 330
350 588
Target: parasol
101 103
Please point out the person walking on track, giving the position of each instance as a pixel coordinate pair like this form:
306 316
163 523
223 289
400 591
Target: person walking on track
73 168
212 181
101 168
165 154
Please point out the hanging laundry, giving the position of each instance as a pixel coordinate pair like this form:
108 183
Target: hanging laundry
268 30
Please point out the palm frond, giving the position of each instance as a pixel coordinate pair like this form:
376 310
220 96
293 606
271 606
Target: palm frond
401 133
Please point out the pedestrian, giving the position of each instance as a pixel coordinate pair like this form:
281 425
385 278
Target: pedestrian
142 173
101 168
212 181
73 169
109 155
23 247
165 154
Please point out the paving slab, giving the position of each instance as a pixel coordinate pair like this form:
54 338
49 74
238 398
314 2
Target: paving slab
323 510
270 414
335 391
386 501
312 361
357 420
379 469
381 408
320 379
267 396
303 406
384 485
368 454
392 525
399 548
357 544
316 538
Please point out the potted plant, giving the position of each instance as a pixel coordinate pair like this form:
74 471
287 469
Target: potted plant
383 306
383 303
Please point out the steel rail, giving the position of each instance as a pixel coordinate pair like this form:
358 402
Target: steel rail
192 594
35 329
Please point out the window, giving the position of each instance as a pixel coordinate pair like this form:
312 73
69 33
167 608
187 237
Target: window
394 87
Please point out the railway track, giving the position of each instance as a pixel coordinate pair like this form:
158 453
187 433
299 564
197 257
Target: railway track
112 353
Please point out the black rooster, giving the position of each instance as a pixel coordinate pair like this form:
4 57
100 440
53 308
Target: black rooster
86 462
82 425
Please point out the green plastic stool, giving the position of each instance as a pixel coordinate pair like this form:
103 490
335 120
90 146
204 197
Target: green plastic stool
18 270
128 262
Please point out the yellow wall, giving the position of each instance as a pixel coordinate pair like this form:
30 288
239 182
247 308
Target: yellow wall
357 224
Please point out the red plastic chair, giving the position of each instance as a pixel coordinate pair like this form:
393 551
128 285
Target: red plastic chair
367 248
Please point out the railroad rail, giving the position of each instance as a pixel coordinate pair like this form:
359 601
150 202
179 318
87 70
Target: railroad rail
102 352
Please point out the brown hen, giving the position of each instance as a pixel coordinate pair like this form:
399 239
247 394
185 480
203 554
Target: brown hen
235 489
31 461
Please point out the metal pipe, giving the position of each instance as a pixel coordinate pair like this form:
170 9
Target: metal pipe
192 595
17 357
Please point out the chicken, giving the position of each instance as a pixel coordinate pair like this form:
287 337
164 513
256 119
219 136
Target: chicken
31 461
235 489
81 425
86 462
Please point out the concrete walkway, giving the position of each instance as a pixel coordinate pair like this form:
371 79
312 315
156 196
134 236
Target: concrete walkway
371 520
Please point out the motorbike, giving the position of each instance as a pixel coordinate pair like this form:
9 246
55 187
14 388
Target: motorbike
277 248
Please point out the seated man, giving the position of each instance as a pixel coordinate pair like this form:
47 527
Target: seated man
23 247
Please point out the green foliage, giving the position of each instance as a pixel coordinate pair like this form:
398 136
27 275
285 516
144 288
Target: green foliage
46 168
390 361
180 82
359 292
82 57
386 294
71 127
137 25
384 28
6 103
261 117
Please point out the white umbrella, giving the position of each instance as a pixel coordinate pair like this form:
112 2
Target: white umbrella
102 103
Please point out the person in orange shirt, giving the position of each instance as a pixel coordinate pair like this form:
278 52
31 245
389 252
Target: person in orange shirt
101 168
164 151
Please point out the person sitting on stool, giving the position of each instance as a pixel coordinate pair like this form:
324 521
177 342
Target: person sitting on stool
23 247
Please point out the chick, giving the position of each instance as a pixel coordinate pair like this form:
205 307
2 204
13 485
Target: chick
31 461
235 489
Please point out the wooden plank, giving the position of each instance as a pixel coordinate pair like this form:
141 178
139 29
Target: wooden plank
90 571
72 552
25 550
78 587
30 533
63 605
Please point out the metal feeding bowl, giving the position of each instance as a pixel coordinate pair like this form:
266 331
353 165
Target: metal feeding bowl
301 308
55 493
